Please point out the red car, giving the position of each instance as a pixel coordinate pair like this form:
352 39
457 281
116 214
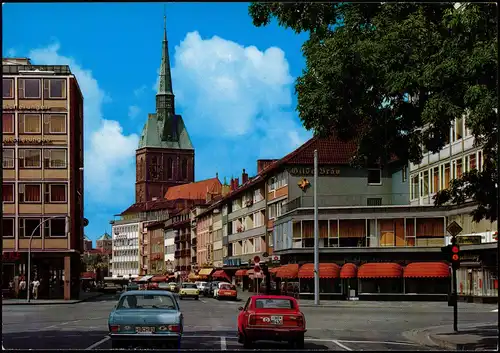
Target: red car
271 318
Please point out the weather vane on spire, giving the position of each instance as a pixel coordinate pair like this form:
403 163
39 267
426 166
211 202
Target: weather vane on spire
165 17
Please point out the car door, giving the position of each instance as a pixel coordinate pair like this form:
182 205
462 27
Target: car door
243 316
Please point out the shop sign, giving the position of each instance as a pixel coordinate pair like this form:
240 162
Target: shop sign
471 258
469 239
36 108
11 256
330 171
27 141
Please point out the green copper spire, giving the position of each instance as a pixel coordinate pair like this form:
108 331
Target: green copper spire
165 82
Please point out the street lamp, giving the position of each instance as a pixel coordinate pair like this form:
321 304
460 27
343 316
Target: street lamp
29 248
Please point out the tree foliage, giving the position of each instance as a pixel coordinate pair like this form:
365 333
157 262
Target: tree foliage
394 76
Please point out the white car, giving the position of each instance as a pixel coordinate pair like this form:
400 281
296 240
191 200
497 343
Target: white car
201 285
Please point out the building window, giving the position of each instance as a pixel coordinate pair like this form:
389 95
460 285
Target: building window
55 193
30 193
435 180
446 176
404 174
30 124
55 228
8 88
28 226
459 168
414 187
184 168
472 161
170 168
29 88
55 158
425 183
8 193
30 158
8 123
458 131
374 177
54 124
8 228
54 88
8 158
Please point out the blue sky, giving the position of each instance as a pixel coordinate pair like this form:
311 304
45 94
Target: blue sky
233 84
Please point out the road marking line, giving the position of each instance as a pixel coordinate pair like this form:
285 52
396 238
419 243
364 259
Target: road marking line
204 302
495 311
62 324
223 345
97 344
343 346
380 342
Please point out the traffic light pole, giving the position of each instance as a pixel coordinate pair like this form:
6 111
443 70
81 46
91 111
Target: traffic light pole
455 299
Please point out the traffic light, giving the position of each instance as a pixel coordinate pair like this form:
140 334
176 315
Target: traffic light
455 256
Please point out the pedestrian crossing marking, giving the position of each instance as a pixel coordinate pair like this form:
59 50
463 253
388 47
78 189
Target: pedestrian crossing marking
495 311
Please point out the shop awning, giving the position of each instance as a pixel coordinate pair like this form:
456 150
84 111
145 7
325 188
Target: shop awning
143 278
348 271
325 271
273 270
288 271
427 270
87 275
205 272
193 276
380 270
221 274
159 279
240 273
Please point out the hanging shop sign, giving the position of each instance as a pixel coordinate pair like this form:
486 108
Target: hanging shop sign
27 141
469 239
324 171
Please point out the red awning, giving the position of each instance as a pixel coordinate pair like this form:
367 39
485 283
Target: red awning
159 279
348 271
288 271
241 273
88 275
380 270
325 271
221 274
273 270
427 270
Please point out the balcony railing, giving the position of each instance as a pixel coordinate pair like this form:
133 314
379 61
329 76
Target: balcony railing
366 200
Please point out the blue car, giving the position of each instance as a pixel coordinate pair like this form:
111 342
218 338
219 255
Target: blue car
149 318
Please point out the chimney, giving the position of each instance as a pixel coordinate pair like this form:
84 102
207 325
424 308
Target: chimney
244 177
263 163
231 184
236 183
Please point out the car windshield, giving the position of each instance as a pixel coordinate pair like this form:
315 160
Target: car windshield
226 286
146 301
273 304
189 285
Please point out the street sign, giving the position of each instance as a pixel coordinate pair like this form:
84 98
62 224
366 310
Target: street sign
256 269
454 229
256 260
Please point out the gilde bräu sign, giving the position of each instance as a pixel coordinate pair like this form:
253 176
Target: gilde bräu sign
330 171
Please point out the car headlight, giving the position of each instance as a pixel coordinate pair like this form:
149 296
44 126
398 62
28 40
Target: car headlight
197 291
182 292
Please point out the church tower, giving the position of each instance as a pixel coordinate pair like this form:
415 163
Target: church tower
165 155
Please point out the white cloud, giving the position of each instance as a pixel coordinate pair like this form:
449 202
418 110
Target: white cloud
238 94
109 154
140 91
133 111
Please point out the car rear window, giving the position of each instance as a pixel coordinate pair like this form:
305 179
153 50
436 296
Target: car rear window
227 286
189 285
273 304
146 301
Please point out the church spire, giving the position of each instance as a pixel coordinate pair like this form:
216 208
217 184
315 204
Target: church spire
165 79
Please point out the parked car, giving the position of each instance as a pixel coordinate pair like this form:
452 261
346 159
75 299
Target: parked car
271 318
210 288
146 318
216 289
172 286
201 285
189 290
226 291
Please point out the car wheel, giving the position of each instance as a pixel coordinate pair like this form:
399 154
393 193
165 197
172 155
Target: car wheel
241 339
299 342
180 297
196 298
247 343
118 344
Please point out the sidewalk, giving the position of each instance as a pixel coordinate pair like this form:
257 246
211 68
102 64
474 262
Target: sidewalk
84 296
480 337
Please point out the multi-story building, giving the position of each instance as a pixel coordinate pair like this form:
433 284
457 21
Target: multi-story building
42 173
215 237
125 248
181 224
105 242
169 236
154 241
203 249
87 243
477 277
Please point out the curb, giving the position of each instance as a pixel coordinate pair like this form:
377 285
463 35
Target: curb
53 303
424 337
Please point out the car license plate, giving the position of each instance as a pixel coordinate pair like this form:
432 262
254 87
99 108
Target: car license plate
144 329
277 320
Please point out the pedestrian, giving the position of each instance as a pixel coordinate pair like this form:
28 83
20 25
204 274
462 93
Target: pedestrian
35 285
22 286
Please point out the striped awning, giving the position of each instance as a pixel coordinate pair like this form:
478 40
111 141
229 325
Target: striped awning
159 279
325 271
427 270
348 271
380 270
288 271
240 273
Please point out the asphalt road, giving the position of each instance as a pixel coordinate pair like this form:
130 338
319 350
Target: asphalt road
211 324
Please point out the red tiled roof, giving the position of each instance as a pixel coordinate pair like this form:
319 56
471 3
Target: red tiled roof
160 205
194 191
97 251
